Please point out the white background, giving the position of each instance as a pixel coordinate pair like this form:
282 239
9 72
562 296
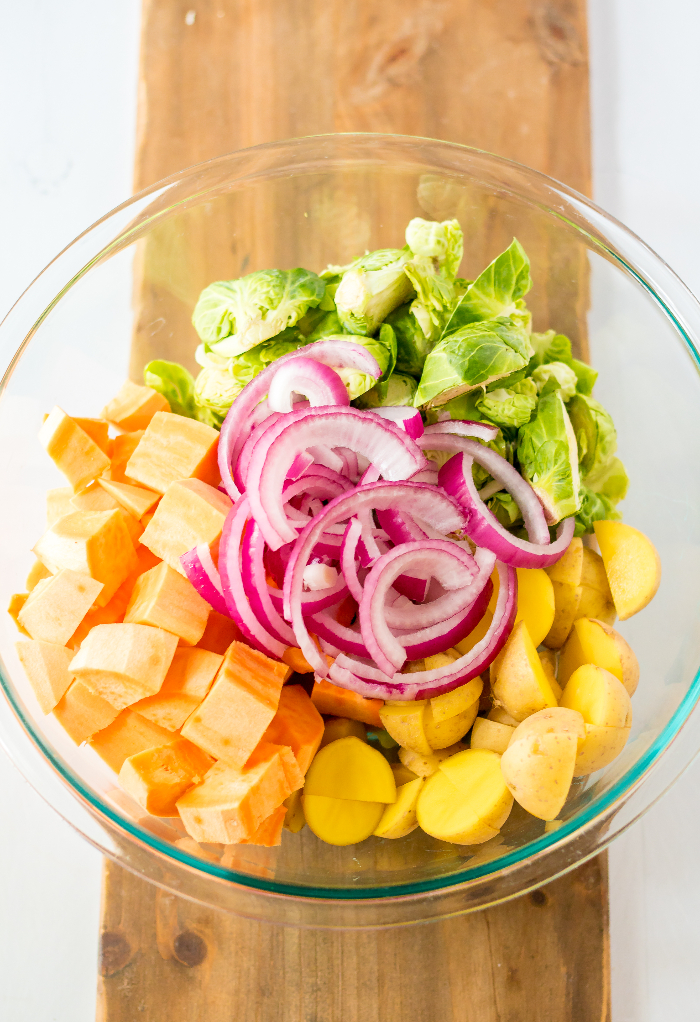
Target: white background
68 74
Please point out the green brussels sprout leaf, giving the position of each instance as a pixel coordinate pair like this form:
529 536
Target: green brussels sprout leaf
442 243
371 288
497 291
548 458
511 406
175 383
398 389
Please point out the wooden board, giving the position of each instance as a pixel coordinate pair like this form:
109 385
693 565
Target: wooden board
509 77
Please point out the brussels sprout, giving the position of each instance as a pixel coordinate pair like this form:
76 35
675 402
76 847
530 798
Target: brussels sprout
371 288
476 355
397 390
504 508
233 316
497 292
442 243
595 433
435 297
562 376
610 481
509 406
553 347
327 326
549 458
175 383
383 347
595 507
412 346
215 392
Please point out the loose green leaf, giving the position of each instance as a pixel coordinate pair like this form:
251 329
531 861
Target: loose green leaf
595 507
233 316
611 481
215 392
595 433
412 346
175 383
442 243
474 356
553 347
504 508
563 376
497 292
549 458
398 389
435 297
509 406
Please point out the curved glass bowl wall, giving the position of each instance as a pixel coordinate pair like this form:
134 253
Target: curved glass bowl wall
123 294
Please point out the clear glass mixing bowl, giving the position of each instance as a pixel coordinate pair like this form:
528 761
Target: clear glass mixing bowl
123 293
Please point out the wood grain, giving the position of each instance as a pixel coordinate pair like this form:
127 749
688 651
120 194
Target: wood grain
508 77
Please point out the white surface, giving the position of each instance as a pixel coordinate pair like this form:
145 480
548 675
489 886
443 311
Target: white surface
67 120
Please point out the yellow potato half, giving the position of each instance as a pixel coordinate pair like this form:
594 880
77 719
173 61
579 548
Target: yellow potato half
599 748
535 602
566 601
631 564
593 573
402 775
449 704
598 696
593 603
405 722
400 819
498 714
570 565
425 766
548 659
477 634
594 642
521 685
341 727
351 769
466 800
441 734
489 734
340 821
538 765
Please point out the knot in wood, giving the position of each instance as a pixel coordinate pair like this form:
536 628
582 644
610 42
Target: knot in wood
189 948
115 953
558 37
538 898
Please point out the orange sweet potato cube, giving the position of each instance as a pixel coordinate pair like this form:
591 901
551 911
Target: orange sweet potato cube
124 662
82 713
220 632
134 406
157 778
265 749
125 736
134 499
122 448
46 665
58 604
116 608
14 607
190 512
230 804
269 833
341 702
96 429
71 449
94 498
297 724
188 680
37 572
58 504
174 447
235 714
165 599
95 543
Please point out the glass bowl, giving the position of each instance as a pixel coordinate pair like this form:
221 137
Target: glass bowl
123 293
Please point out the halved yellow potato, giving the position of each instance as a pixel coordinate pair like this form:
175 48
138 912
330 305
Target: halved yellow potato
570 565
479 632
466 800
350 769
400 818
594 642
595 604
449 704
489 734
425 766
402 775
599 748
535 602
405 722
631 564
498 714
548 659
341 821
521 685
599 697
538 765
566 603
443 733
342 727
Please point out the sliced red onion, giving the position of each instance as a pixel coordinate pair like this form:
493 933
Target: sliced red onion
455 569
340 637
312 602
409 419
484 528
447 634
367 680
399 526
348 555
200 569
299 466
241 418
241 467
232 583
318 383
351 469
254 577
463 427
388 447
323 455
434 506
427 475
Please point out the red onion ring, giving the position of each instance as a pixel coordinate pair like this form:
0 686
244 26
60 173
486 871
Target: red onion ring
348 554
317 382
200 569
463 427
408 419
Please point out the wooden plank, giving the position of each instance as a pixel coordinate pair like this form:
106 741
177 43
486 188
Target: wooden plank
509 78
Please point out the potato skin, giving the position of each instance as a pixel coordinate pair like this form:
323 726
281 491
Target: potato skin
538 765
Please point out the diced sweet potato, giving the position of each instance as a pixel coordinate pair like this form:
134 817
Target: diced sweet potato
46 665
94 498
188 680
17 601
37 572
58 504
191 512
220 633
127 735
265 749
124 662
96 429
269 833
135 499
134 406
298 724
340 702
174 447
122 448
295 659
58 604
165 599
82 713
230 804
71 449
233 717
158 777
114 611
93 543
